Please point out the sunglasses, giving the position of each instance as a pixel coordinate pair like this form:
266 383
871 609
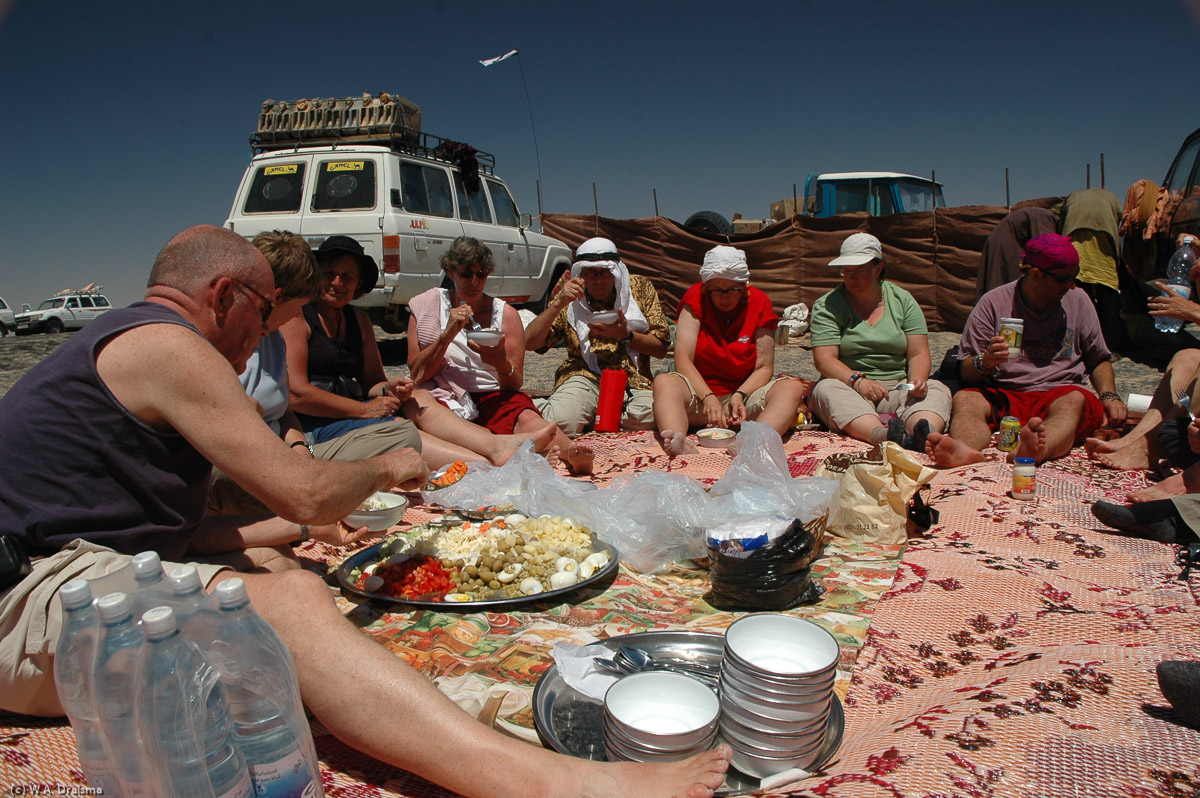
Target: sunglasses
1060 279
726 291
267 307
478 274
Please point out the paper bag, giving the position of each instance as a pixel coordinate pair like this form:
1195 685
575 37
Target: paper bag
876 488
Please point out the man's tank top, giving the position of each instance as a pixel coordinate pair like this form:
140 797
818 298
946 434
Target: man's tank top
79 465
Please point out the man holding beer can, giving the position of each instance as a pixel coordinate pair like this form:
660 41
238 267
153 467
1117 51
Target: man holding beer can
1026 350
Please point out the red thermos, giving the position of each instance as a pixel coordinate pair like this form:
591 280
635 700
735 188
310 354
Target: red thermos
612 400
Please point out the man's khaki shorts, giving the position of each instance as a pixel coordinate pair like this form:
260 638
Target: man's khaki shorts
31 620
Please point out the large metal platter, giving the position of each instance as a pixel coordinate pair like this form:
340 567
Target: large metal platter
571 723
596 584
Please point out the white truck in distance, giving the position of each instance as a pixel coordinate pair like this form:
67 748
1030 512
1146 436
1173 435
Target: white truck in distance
361 167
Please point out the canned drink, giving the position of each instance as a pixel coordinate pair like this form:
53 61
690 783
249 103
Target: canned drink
1010 433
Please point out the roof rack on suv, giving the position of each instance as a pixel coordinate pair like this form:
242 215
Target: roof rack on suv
399 139
90 288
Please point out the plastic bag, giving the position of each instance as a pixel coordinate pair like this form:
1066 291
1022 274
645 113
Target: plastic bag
875 493
758 482
775 576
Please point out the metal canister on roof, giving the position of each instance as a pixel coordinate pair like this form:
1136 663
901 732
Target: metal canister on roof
1010 434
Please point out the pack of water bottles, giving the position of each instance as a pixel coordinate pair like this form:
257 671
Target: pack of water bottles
175 693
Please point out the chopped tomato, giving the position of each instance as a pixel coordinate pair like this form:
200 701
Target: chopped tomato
421 577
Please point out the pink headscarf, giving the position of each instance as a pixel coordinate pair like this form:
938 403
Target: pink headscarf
1049 252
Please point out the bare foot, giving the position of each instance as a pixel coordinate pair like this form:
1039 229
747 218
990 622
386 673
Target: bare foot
1168 488
507 445
1098 446
580 457
672 441
1135 456
696 777
1032 441
948 453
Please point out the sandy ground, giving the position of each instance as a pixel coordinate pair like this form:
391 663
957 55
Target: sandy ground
19 354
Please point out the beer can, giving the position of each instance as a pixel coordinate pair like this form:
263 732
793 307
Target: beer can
1010 433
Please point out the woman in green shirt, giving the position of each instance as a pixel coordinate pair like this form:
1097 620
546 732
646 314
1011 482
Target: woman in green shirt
871 348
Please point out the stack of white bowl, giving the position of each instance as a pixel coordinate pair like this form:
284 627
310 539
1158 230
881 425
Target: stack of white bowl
659 716
776 692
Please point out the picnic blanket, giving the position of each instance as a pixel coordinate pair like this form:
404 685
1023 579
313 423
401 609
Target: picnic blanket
1010 652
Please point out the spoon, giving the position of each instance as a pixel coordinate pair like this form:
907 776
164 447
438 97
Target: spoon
643 661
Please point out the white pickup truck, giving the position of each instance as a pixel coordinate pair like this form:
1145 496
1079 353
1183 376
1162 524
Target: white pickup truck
361 167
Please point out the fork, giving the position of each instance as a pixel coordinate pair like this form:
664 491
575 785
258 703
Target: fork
1185 401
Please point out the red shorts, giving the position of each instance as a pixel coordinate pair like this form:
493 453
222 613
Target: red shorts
498 410
1027 404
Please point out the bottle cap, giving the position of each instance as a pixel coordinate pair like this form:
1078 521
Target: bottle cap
231 593
1025 460
75 594
146 565
158 622
184 579
113 607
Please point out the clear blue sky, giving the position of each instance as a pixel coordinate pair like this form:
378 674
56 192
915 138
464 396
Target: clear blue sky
124 122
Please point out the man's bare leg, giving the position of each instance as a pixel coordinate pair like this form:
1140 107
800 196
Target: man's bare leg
969 432
374 702
1031 441
1054 436
1181 374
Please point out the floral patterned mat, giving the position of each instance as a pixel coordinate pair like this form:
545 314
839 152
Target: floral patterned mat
1010 652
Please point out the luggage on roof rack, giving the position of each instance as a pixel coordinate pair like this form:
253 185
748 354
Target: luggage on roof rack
338 116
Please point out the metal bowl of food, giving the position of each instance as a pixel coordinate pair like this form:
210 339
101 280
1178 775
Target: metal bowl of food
715 437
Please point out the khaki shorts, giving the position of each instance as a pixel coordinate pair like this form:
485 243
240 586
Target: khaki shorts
31 620
836 404
573 405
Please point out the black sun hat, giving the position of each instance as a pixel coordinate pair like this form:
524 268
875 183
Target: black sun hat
368 271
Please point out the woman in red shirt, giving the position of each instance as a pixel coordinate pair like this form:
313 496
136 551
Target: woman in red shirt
724 357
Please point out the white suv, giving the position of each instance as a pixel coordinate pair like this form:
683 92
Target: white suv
7 320
404 195
67 310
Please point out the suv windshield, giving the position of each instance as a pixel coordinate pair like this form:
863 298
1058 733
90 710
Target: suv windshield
48 304
919 196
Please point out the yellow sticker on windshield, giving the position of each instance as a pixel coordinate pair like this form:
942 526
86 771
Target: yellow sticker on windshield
344 166
284 169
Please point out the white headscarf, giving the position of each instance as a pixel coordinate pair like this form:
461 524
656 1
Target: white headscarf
602 253
725 262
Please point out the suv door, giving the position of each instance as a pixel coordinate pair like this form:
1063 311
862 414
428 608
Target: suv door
344 200
426 227
1183 184
525 260
478 222
72 316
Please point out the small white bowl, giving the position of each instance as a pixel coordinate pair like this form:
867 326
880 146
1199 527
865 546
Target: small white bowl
779 645
489 337
770 743
605 317
784 717
662 709
380 520
715 437
798 688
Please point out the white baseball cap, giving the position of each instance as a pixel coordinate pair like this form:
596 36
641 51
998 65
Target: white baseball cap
858 249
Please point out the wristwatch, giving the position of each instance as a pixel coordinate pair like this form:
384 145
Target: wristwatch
978 361
627 338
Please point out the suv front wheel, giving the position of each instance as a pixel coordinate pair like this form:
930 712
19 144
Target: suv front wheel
54 326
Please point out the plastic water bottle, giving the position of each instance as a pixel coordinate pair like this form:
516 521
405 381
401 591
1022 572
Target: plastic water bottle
149 580
184 718
195 611
1179 270
73 661
264 699
114 681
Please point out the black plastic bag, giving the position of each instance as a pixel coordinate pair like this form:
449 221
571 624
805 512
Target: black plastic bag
776 576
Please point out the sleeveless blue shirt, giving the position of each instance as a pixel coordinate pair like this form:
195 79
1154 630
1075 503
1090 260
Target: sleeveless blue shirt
74 463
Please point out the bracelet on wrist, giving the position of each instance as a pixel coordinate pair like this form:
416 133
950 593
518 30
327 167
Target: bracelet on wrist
704 398
855 376
303 533
978 361
742 394
1107 395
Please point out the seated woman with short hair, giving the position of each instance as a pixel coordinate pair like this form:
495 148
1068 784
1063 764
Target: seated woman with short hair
724 357
869 337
